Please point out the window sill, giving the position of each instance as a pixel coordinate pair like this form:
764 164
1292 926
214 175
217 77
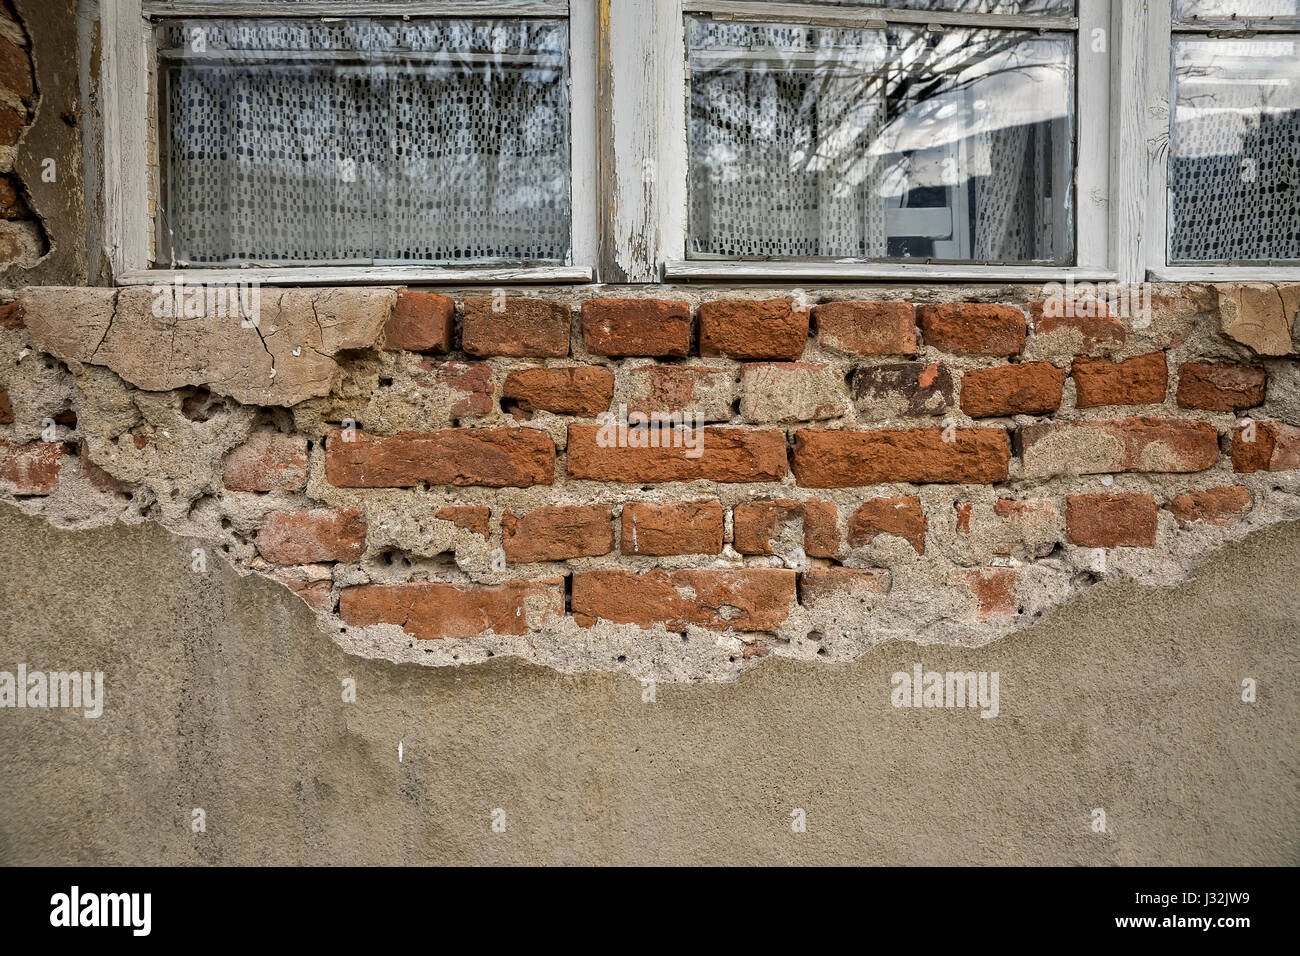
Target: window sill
364 275
776 271
1225 274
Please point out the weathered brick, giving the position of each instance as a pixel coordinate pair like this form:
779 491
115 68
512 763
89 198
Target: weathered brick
689 527
430 610
660 390
1025 529
421 322
6 408
904 388
849 459
11 316
12 124
492 457
12 204
16 69
557 533
901 517
637 327
96 475
1216 506
1220 386
1141 380
1030 388
758 525
314 583
466 517
1276 447
585 391
1111 521
1117 445
837 589
753 329
866 328
267 461
1077 333
524 328
31 469
312 535
791 392
466 387
994 590
757 599
597 453
973 328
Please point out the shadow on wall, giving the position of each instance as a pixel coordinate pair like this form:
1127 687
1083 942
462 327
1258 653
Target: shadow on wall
221 695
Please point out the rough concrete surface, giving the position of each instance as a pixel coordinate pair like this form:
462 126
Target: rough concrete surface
222 693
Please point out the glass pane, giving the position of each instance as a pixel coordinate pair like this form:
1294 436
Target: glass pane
1234 166
881 144
1188 9
364 141
1059 7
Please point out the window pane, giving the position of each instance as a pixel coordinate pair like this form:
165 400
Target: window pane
364 141
1059 7
899 143
1187 9
1234 167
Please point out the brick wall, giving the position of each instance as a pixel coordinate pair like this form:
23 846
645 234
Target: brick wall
437 476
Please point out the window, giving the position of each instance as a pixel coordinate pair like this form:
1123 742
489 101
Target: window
642 140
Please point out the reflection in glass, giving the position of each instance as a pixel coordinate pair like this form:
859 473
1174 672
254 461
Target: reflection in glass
363 141
1234 159
881 144
1187 9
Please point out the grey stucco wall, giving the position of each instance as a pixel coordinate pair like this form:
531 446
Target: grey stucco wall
221 693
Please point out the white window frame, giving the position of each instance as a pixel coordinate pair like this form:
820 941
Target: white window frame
628 96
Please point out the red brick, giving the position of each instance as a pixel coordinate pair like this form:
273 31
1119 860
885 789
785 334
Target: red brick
421 322
11 316
689 527
850 459
268 461
466 517
866 328
741 600
12 204
752 329
1111 521
557 533
6 408
1087 332
316 593
12 124
903 388
585 391
973 328
637 327
897 516
994 589
525 328
1117 445
430 611
31 469
1276 447
96 475
468 386
1142 380
791 391
491 457
660 390
1216 506
1220 386
831 589
757 524
310 536
725 455
16 69
1031 388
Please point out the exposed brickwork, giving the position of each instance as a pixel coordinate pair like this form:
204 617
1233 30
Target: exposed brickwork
661 390
516 327
691 527
748 600
637 327
1032 388
1111 521
1265 446
6 408
492 457
311 535
1215 506
750 329
31 469
1082 334
1128 444
844 459
1220 386
758 524
866 328
973 328
1141 380
557 533
791 392
430 611
421 322
467 518
903 389
994 589
897 516
268 461
724 454
585 391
